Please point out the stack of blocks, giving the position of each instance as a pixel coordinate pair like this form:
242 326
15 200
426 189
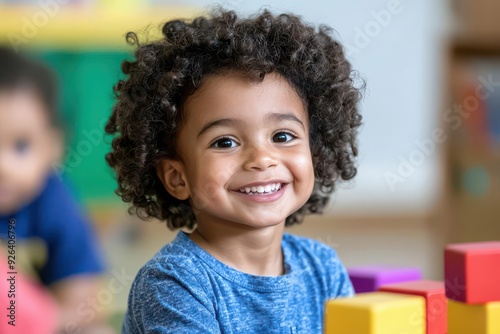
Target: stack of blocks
396 300
472 277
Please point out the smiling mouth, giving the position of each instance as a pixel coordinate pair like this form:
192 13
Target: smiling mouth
261 190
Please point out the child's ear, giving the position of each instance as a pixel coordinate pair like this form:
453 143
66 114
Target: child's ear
171 174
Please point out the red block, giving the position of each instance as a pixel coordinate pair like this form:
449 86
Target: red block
435 301
472 272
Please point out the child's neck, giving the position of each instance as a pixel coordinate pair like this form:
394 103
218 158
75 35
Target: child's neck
252 251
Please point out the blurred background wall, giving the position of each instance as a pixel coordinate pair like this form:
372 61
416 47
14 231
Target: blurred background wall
429 165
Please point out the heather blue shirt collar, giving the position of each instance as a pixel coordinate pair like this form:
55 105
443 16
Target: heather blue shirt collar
257 283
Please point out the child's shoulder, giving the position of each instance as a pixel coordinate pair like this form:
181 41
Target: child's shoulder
176 258
55 199
304 245
306 254
175 267
54 192
49 202
55 187
317 261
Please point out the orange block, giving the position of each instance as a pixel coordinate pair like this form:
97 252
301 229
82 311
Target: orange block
435 301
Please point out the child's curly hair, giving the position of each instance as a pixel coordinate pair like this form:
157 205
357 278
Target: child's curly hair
148 113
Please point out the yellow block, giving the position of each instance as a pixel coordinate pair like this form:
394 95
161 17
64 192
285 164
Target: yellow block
473 318
376 313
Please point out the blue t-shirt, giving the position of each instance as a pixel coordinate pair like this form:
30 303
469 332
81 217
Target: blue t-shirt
54 240
183 289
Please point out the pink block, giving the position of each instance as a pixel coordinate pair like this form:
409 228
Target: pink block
26 304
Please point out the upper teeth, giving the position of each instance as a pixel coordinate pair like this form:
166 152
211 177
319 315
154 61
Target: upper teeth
262 189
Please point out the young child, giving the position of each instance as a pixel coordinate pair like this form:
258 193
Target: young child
54 243
235 128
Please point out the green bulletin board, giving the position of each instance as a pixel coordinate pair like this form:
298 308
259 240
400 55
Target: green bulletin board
86 82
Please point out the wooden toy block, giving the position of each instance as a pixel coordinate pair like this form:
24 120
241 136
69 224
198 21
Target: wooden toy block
473 318
375 313
435 301
370 278
472 272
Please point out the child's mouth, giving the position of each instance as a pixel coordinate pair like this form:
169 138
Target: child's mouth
261 190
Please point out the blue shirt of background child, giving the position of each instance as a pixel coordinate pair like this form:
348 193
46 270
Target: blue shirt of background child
52 228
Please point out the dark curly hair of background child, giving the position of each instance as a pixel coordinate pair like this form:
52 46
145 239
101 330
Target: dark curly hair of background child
149 110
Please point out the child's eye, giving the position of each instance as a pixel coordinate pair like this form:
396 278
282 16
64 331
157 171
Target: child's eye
21 146
283 137
224 143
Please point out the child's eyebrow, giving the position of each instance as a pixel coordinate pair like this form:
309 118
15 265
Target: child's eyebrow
278 117
271 117
224 122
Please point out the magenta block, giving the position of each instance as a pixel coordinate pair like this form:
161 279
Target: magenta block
370 278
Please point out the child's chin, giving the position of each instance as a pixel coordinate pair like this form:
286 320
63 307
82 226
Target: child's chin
265 223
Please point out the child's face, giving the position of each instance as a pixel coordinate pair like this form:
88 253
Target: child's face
245 151
28 146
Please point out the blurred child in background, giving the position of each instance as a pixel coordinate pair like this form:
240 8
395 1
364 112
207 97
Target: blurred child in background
55 243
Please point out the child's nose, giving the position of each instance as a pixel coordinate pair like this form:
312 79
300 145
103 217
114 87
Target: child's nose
260 158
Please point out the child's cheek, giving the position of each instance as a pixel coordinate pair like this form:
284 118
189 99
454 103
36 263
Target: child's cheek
303 161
